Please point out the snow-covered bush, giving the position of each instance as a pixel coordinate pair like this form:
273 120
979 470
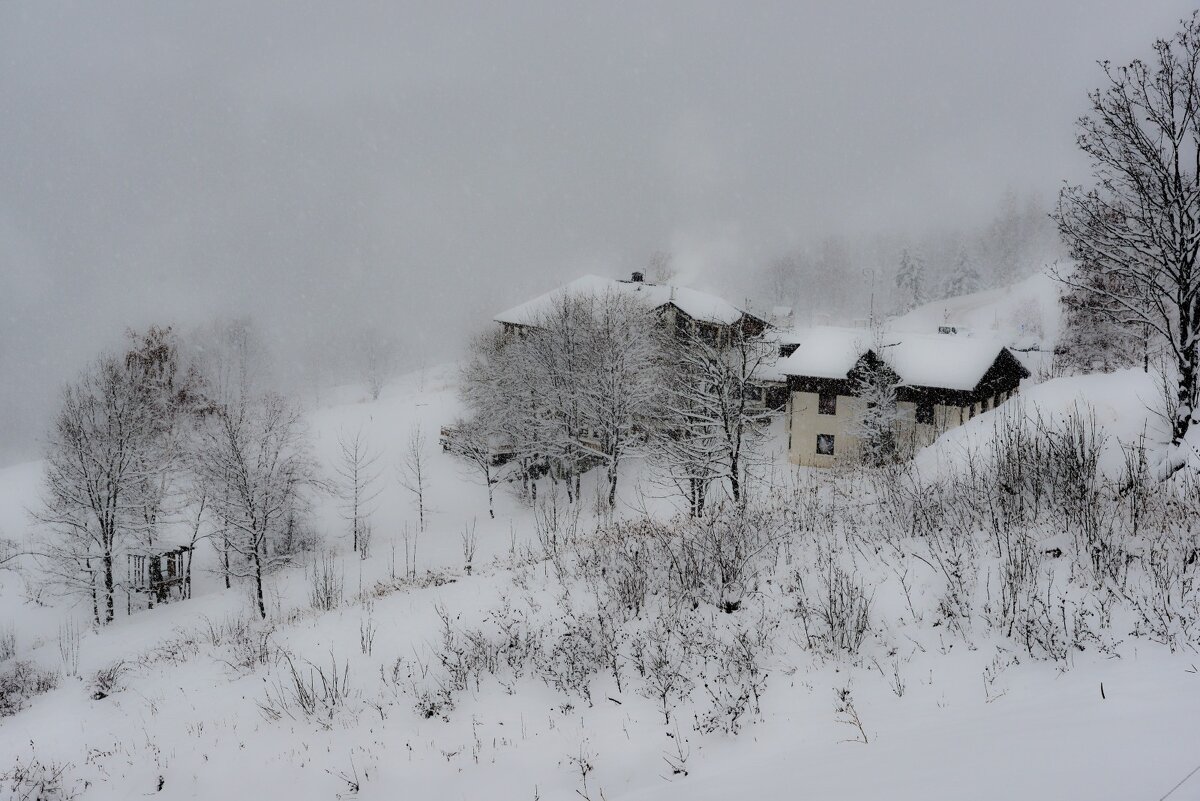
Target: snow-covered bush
314 694
38 780
326 583
739 678
246 644
107 680
833 607
21 681
8 643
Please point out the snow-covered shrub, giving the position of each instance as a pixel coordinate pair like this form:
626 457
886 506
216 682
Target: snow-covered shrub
37 780
1166 592
509 648
246 644
663 657
739 680
1049 617
832 605
716 559
557 529
326 583
8 643
107 680
620 565
573 657
21 681
315 694
411 678
69 637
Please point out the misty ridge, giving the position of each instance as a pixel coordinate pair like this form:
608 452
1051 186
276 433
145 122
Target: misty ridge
539 401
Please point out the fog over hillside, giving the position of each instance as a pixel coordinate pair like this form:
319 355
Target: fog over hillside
541 400
330 168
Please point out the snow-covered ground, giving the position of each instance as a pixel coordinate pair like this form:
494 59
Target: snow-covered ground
1023 313
201 710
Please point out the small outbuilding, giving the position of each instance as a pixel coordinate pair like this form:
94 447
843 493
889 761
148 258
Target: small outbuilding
161 573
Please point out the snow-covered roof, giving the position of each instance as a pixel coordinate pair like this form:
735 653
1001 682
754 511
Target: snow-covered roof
946 361
697 305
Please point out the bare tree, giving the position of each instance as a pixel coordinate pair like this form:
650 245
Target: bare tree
233 360
724 406
96 461
685 445
504 406
9 554
377 355
413 471
569 390
357 485
1139 225
619 381
472 441
552 358
173 397
660 267
255 455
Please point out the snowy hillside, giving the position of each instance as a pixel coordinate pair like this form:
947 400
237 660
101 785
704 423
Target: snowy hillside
560 667
1022 314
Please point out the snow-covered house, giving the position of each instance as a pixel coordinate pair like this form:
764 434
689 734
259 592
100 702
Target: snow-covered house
942 380
678 307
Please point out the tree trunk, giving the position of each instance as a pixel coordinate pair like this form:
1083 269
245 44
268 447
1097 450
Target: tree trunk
735 477
258 585
612 486
696 496
1186 396
225 556
108 588
95 598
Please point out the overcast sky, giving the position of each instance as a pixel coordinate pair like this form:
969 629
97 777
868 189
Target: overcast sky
327 166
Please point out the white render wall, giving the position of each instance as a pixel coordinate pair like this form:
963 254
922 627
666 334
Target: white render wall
804 424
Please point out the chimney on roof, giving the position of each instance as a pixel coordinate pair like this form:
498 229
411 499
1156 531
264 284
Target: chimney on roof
637 277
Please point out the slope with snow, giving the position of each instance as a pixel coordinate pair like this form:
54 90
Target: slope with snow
943 715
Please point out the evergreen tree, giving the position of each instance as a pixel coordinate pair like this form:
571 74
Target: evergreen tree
910 278
964 278
874 385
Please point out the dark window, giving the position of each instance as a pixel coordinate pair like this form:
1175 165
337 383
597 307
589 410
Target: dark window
925 413
827 403
825 444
